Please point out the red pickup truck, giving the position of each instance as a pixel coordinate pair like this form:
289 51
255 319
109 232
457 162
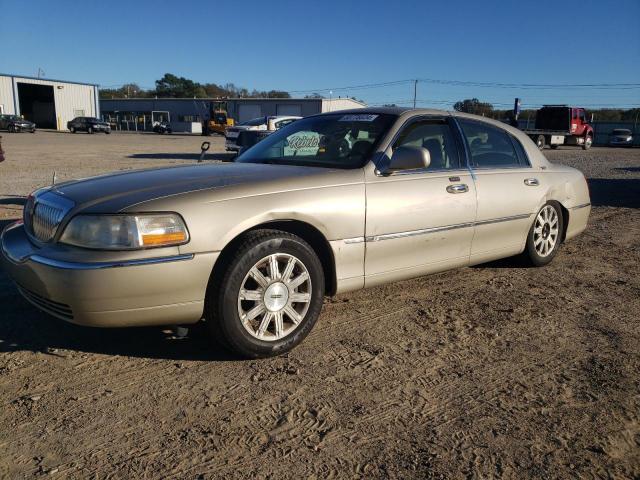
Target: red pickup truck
561 125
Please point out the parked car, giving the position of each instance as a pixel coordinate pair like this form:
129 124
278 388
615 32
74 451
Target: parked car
621 137
15 124
253 246
88 124
261 124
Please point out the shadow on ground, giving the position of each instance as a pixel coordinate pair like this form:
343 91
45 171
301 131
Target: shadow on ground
23 327
14 200
615 192
221 157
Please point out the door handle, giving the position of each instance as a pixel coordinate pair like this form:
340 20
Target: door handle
459 188
531 182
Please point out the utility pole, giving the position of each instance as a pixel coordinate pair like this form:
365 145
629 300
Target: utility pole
415 92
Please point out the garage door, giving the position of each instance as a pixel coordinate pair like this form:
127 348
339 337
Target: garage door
247 112
294 110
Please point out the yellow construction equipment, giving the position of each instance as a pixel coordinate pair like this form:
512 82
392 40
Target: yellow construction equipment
219 120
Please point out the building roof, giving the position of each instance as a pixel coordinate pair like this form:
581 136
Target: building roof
46 79
234 99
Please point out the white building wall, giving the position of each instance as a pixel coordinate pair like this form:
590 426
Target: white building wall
335 104
69 98
6 95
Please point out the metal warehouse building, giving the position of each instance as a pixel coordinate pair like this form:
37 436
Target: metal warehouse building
48 103
186 114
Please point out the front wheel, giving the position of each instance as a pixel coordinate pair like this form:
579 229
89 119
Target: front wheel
545 235
90 130
588 141
72 129
269 297
540 141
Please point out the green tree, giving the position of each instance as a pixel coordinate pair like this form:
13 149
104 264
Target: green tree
475 106
172 86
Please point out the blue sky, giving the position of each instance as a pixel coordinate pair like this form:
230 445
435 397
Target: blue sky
314 45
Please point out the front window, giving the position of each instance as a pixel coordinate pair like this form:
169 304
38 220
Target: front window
436 137
340 140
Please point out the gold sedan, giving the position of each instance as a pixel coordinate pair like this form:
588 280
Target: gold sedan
328 204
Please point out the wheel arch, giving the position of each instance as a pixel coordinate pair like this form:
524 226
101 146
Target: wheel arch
309 233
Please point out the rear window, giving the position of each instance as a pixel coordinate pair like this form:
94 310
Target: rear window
621 131
490 147
254 122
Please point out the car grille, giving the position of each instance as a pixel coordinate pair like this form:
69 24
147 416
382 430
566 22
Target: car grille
45 221
43 214
56 309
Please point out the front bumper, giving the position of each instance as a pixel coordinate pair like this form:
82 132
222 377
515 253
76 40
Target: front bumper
148 291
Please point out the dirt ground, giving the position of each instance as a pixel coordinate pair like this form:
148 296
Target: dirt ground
496 371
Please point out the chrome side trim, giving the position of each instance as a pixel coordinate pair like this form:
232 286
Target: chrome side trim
581 206
353 240
503 219
100 265
426 231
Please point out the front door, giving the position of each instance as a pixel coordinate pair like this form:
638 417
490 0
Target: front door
420 221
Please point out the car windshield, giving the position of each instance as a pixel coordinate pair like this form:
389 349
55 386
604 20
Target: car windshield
254 122
93 119
621 131
340 140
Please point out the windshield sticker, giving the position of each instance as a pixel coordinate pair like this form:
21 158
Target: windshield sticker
358 118
302 144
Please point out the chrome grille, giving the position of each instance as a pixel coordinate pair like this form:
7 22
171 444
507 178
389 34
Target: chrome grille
43 214
45 221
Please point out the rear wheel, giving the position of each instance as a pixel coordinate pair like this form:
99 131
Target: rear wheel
72 129
553 147
269 297
545 235
90 130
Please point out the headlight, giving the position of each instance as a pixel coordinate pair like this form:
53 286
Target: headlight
125 232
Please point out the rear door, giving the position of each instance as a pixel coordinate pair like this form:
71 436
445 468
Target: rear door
508 190
420 221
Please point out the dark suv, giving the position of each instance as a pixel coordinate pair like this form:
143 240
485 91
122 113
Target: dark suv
88 124
14 123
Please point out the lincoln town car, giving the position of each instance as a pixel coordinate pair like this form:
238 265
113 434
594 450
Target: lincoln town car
328 204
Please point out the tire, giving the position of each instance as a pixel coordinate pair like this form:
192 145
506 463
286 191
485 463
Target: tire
11 129
547 230
553 147
264 298
588 140
108 132
90 130
33 131
72 129
540 141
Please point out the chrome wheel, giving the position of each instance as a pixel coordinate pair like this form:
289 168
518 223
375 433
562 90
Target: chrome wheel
274 297
546 231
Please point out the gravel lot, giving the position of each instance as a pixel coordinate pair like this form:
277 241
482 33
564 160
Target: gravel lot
493 371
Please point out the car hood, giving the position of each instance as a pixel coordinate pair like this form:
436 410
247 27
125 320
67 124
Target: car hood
117 192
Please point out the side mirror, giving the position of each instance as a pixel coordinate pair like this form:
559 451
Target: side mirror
409 158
